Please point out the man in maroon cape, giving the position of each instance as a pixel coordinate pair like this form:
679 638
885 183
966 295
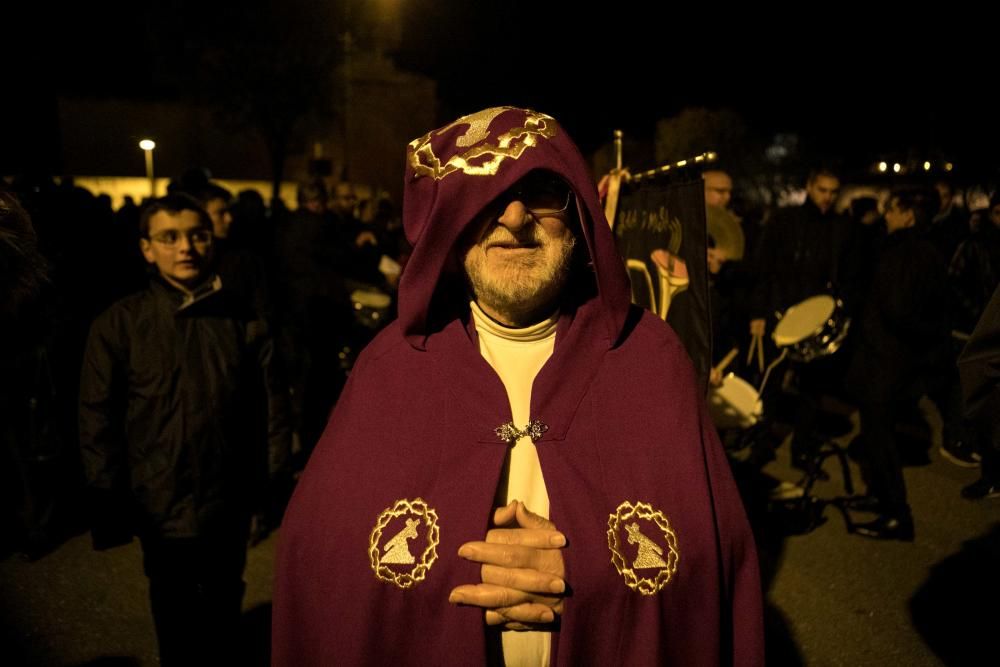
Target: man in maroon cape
520 470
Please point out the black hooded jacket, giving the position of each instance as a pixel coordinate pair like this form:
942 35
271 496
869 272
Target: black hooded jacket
904 328
802 253
181 414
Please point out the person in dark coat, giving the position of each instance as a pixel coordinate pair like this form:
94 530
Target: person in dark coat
28 423
521 469
803 252
182 426
903 336
979 367
950 224
974 273
316 312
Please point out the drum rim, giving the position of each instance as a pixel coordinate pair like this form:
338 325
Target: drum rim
721 403
779 340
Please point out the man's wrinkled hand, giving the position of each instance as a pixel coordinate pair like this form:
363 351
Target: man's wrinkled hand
522 570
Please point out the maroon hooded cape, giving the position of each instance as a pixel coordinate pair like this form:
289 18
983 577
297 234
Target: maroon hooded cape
660 561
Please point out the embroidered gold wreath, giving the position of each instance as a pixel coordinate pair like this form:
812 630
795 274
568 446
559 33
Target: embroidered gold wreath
416 507
644 585
487 156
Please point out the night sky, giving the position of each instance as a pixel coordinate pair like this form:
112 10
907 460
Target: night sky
848 82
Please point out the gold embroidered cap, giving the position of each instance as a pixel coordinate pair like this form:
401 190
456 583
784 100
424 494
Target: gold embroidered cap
472 146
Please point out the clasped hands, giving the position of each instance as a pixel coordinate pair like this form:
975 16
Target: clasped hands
522 570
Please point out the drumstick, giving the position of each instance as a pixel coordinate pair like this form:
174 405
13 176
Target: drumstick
760 353
726 360
611 203
753 344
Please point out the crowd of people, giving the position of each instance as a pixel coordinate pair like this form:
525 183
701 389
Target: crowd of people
907 278
172 367
167 368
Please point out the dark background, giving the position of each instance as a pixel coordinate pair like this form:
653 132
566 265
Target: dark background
846 81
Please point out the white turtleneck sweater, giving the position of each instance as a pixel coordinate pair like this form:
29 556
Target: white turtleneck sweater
517 355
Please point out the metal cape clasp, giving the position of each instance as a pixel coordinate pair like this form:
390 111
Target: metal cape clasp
510 434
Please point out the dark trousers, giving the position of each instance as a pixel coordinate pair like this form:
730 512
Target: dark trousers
882 467
987 439
816 378
945 390
196 592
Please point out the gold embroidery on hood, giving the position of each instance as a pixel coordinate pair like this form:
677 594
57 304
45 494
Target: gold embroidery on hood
479 126
510 144
651 553
419 527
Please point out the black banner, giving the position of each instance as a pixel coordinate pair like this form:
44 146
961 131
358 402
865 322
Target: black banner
660 231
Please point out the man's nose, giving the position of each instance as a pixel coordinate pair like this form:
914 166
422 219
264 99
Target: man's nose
184 244
515 215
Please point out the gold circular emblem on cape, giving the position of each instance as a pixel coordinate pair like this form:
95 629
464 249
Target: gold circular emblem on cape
648 557
407 526
481 157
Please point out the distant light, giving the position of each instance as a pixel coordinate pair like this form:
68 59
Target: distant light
882 166
147 144
927 166
948 166
896 167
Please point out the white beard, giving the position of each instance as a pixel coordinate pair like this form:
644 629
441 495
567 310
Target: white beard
519 286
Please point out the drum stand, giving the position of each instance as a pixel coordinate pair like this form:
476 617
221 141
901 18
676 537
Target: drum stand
804 510
842 503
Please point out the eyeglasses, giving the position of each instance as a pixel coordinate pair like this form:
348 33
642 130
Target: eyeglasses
542 194
172 237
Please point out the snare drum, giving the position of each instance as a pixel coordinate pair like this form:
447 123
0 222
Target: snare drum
371 307
812 328
736 404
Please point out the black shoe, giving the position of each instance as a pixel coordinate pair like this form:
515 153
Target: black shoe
866 503
887 527
960 454
761 454
786 491
811 466
980 489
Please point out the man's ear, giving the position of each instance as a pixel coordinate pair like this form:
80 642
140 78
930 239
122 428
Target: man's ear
146 247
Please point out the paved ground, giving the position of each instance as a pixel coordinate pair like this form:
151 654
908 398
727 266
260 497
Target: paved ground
76 606
839 599
833 598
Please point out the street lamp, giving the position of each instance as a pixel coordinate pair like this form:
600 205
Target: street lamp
148 145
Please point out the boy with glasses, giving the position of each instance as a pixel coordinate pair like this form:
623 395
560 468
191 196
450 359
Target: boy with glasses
182 421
